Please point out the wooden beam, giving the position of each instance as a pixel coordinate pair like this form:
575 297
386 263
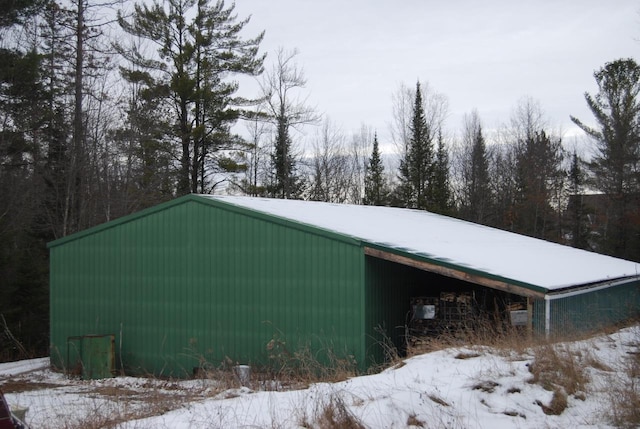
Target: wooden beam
453 273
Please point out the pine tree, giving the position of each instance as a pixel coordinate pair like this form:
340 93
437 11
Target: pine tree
15 12
539 166
194 58
375 188
478 190
417 167
23 149
287 184
616 108
576 208
440 187
149 178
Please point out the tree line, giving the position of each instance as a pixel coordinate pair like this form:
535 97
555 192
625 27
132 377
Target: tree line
105 111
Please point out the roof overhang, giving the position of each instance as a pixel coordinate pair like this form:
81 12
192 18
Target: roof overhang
591 287
455 272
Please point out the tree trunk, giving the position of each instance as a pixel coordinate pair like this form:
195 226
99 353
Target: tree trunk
74 222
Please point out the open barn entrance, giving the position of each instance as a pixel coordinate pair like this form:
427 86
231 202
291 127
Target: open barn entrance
414 303
441 306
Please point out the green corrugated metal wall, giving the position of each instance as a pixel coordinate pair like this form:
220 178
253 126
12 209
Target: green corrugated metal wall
588 311
195 278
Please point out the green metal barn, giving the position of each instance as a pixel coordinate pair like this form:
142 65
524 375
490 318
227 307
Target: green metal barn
212 278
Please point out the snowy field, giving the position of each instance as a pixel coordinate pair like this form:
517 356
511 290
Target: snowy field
471 387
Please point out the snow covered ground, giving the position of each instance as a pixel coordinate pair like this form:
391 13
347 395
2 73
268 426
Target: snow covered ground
471 387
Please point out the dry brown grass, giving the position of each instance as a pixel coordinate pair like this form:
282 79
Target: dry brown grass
336 415
624 403
114 406
479 333
332 413
302 366
438 400
501 336
467 355
624 391
487 386
413 420
557 405
559 366
222 374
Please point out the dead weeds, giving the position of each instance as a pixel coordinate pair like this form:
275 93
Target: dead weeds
413 420
332 414
558 366
21 385
487 386
467 355
624 391
438 400
557 405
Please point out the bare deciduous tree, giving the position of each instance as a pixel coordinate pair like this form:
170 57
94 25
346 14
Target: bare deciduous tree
360 149
332 173
286 109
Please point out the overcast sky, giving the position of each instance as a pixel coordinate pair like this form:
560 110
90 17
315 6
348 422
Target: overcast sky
484 55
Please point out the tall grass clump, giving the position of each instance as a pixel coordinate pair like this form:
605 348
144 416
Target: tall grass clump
624 390
331 413
302 365
479 332
559 366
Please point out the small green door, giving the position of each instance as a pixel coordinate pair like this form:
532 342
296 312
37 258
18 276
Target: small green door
98 356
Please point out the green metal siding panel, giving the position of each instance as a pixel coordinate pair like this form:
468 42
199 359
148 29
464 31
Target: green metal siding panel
594 310
586 311
197 280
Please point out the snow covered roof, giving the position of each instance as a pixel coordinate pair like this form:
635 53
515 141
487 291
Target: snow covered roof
450 241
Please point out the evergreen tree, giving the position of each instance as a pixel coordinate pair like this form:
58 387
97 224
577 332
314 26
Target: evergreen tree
441 201
23 236
478 190
144 142
403 193
539 168
576 208
14 12
287 183
417 167
615 166
375 188
503 186
193 58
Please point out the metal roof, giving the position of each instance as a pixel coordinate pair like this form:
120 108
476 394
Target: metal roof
450 242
